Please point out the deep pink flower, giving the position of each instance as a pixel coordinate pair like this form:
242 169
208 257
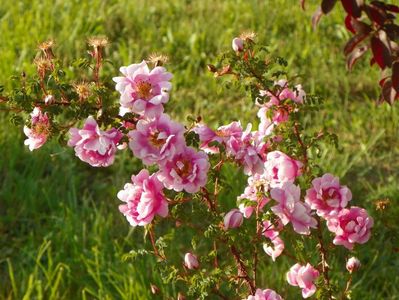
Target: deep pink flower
303 277
39 131
353 264
187 170
144 199
291 209
191 261
255 192
280 168
233 219
327 196
237 44
93 145
143 91
267 294
156 139
350 226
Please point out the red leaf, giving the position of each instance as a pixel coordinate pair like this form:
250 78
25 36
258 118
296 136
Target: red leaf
352 8
353 42
302 4
395 76
389 94
372 61
392 8
316 17
348 23
376 14
327 5
355 55
361 27
381 53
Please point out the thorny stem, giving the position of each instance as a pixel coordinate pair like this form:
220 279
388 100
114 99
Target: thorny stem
152 238
303 146
323 256
242 270
348 284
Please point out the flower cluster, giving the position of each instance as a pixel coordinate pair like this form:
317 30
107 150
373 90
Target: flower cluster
157 140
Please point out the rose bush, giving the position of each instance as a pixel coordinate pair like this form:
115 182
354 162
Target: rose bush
178 190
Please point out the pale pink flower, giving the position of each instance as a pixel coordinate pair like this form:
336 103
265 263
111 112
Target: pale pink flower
248 150
222 135
350 226
187 170
94 146
267 294
39 131
143 91
274 249
280 168
327 196
144 199
191 261
156 139
233 219
303 277
255 192
276 245
353 264
291 209
237 44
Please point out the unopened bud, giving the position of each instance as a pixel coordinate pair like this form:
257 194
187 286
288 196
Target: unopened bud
191 261
180 296
233 219
154 289
353 264
237 44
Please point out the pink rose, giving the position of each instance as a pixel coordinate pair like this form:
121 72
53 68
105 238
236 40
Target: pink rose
39 131
303 277
350 226
144 199
291 209
267 294
143 91
280 168
353 264
157 139
94 146
191 261
237 44
187 170
327 196
233 219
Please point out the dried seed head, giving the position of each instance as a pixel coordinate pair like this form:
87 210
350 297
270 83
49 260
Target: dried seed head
42 65
47 48
248 36
98 42
83 90
158 59
381 204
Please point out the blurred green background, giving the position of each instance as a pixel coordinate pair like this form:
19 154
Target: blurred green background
61 235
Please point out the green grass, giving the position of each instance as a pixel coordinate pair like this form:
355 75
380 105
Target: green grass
61 235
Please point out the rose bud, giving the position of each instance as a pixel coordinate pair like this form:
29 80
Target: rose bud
191 261
180 296
353 264
237 44
233 219
154 289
